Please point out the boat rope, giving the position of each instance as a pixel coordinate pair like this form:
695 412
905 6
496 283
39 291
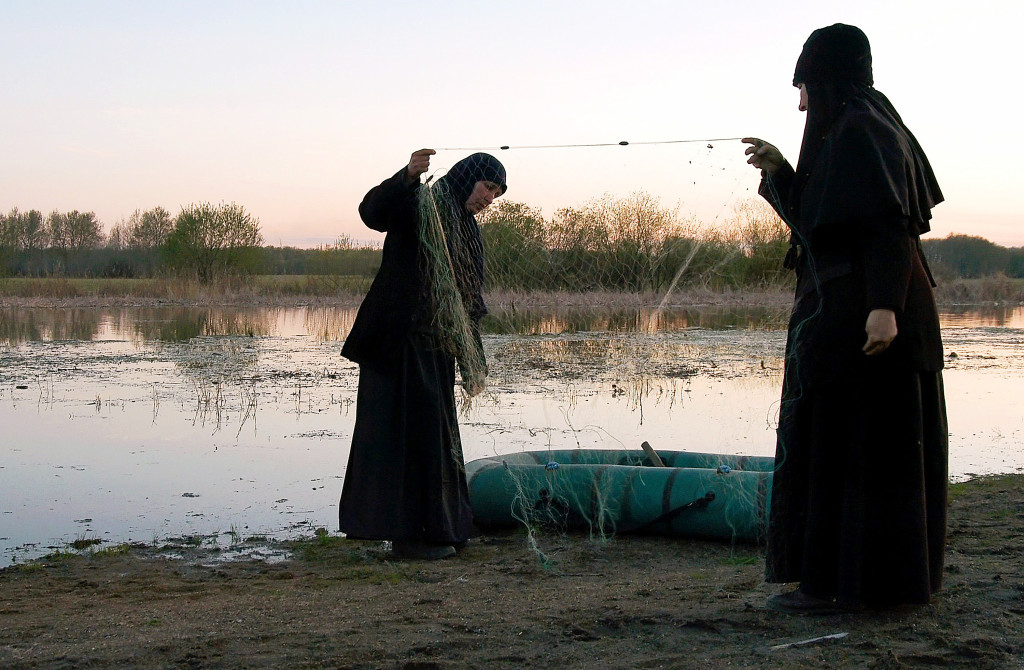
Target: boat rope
699 504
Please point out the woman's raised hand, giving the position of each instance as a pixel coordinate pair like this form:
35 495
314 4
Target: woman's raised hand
419 163
765 157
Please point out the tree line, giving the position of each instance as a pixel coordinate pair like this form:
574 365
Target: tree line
204 240
632 243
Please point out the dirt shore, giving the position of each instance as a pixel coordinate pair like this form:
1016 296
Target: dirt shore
624 602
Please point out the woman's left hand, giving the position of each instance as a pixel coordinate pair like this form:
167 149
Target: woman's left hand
881 330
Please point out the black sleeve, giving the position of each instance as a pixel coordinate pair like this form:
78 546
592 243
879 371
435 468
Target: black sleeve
775 188
886 249
389 204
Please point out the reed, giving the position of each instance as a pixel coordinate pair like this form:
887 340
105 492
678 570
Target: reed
981 291
349 290
231 290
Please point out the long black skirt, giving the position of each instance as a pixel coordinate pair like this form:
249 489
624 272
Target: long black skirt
858 508
406 477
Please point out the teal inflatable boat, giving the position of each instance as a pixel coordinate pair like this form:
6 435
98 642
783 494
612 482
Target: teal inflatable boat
686 494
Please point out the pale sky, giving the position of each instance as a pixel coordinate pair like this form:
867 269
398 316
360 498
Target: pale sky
294 109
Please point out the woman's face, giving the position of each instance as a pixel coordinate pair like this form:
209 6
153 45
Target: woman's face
803 98
484 193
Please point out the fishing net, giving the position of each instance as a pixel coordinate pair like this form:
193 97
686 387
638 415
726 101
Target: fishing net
444 260
717 235
632 246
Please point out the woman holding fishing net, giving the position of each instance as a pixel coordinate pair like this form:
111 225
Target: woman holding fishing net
405 480
859 491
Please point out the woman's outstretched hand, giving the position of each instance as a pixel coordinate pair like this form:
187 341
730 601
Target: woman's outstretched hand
765 157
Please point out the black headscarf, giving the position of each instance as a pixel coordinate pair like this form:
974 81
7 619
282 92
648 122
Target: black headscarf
462 233
836 67
838 53
463 176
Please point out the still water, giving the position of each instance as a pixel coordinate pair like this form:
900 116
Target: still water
143 424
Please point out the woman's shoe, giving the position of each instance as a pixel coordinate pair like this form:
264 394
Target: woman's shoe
798 602
421 551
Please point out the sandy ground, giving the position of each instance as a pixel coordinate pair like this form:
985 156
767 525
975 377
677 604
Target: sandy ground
624 602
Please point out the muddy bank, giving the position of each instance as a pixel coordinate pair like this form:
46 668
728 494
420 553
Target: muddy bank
627 602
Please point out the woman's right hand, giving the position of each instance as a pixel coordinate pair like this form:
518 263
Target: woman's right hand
765 157
419 163
881 331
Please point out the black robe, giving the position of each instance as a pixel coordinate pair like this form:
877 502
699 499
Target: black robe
859 492
405 478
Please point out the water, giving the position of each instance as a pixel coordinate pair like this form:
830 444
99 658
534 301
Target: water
143 424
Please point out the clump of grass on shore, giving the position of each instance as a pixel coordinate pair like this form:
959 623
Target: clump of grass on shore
980 291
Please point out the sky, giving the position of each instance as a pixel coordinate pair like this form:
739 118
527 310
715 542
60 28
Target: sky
294 110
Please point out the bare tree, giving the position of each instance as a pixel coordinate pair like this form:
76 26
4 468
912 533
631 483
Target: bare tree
23 231
213 240
151 228
74 230
142 230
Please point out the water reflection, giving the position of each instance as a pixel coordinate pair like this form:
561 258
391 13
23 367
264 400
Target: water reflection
330 324
133 324
19 325
508 320
140 325
180 324
973 316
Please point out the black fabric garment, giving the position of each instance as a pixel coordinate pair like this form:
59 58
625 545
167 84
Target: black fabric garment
859 491
858 504
858 508
839 282
867 165
405 478
892 168
398 299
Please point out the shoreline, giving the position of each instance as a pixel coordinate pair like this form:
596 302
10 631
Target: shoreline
627 602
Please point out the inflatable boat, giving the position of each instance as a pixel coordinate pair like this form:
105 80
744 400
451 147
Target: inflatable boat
675 493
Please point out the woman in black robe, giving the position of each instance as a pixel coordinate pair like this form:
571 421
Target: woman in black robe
405 479
858 509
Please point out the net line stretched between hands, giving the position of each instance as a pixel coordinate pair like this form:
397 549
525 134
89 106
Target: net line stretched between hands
623 143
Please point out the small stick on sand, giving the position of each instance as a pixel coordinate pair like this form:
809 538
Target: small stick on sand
813 640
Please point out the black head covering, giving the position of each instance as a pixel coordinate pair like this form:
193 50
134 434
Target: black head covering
465 245
463 176
838 53
835 65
